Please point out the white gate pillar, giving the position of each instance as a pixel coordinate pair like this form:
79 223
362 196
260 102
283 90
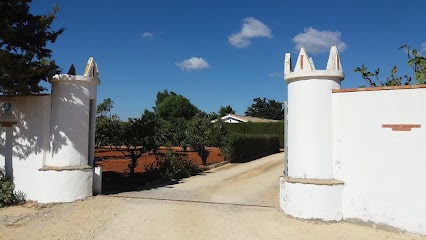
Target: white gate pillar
308 190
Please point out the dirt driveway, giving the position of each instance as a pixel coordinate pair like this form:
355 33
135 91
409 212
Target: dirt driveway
235 201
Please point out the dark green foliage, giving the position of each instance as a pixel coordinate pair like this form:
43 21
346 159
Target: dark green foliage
171 166
24 58
223 111
179 129
246 147
218 133
274 128
171 106
199 133
104 108
8 196
266 108
107 125
138 136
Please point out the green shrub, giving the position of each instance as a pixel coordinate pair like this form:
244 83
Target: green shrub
273 128
246 147
8 196
171 165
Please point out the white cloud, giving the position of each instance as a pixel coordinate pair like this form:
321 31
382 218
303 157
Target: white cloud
148 36
252 28
194 63
316 41
275 74
423 45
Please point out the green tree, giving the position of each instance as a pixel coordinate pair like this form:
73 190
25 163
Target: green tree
138 136
107 125
223 111
415 61
104 108
266 108
199 132
218 133
161 96
173 106
24 57
179 129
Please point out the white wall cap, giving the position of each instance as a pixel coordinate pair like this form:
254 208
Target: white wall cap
67 78
315 74
305 68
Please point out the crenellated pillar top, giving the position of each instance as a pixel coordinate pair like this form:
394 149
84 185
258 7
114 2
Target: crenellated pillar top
305 68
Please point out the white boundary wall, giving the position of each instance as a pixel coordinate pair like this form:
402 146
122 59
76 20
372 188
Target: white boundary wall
49 149
353 154
384 170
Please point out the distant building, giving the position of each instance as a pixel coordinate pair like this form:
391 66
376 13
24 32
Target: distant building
233 118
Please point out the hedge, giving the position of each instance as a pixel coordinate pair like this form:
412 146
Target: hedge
273 128
247 147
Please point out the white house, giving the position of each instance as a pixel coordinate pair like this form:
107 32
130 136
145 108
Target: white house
353 154
47 140
233 118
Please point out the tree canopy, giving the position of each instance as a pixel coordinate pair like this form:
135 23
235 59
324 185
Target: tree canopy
138 136
266 108
225 110
171 106
24 57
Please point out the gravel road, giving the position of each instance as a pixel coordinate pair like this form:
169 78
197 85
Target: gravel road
234 201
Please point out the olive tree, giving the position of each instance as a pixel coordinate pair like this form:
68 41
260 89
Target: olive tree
199 132
138 136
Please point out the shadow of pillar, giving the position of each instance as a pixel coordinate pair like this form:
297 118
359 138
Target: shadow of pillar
8 155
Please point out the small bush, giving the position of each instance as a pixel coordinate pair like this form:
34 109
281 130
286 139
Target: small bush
8 196
171 166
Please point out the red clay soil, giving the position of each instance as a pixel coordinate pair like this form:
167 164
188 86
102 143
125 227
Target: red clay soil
115 161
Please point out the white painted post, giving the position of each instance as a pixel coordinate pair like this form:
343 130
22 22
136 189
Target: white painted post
310 115
308 189
72 127
97 179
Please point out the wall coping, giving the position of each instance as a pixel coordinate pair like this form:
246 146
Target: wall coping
314 181
66 168
379 88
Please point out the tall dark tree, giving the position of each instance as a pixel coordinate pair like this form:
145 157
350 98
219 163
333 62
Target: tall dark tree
172 106
266 108
24 57
225 110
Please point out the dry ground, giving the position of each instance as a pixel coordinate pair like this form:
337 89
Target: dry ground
234 201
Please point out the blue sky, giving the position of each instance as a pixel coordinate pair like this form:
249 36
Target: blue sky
224 52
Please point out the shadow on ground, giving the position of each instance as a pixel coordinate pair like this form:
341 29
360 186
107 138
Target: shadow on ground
114 183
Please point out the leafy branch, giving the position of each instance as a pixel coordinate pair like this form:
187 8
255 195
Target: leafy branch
415 60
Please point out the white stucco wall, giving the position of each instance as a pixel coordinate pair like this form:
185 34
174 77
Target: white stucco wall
311 201
30 142
31 153
70 122
309 128
383 170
